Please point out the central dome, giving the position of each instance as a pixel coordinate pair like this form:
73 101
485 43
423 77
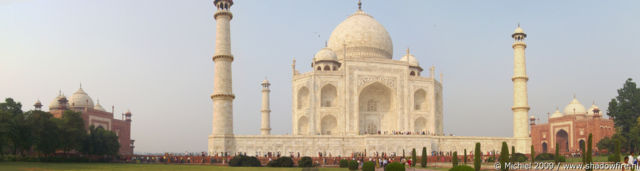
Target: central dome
363 36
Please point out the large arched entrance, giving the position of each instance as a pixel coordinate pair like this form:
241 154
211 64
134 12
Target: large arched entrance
419 125
562 140
303 126
375 109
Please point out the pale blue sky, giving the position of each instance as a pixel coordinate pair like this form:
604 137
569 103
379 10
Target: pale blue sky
154 56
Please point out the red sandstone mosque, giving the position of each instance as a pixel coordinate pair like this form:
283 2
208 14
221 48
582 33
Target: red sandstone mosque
94 115
570 129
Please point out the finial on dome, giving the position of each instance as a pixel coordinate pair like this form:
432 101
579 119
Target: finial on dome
359 5
80 85
408 51
574 95
518 24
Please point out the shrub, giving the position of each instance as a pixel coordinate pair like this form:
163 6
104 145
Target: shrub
395 166
545 157
423 159
533 155
504 156
465 156
613 158
281 162
353 165
305 162
368 166
557 158
454 159
244 161
589 158
344 163
414 159
491 159
518 157
477 157
462 168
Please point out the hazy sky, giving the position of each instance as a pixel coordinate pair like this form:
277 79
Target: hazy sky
154 57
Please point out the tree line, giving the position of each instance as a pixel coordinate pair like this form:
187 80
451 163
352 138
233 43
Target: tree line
37 133
624 109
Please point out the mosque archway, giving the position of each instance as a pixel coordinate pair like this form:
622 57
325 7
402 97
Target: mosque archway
376 106
328 125
562 140
303 98
544 147
303 126
328 95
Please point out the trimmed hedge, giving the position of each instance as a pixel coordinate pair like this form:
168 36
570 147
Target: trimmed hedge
395 166
519 157
305 162
545 157
462 168
344 163
281 162
244 161
368 166
353 165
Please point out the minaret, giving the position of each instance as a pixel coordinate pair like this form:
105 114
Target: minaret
266 110
222 95
520 103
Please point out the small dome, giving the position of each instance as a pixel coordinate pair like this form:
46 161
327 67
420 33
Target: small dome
591 109
38 102
574 108
81 99
556 114
363 36
325 54
55 103
98 106
410 59
518 30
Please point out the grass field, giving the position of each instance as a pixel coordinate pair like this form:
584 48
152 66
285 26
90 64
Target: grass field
32 166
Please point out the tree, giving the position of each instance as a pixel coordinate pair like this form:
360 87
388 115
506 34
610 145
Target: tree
423 158
625 110
72 130
513 152
589 160
556 158
504 156
413 158
533 155
44 131
477 157
617 152
100 142
465 156
454 159
584 156
16 130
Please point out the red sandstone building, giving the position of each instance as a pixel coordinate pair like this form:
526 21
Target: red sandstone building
570 129
94 115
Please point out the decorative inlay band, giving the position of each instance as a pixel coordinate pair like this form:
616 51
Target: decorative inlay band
215 16
230 57
223 96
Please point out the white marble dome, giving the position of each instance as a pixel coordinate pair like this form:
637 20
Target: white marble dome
55 102
410 59
325 54
593 107
556 114
364 38
574 108
81 99
98 106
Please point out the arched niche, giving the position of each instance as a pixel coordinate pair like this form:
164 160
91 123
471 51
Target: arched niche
303 98
376 109
328 125
328 95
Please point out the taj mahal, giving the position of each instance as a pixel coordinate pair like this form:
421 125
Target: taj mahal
357 98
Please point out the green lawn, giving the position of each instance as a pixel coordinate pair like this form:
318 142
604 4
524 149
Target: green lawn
595 159
33 166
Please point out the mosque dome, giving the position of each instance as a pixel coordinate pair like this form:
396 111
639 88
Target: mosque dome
81 99
593 107
363 36
556 114
574 108
410 59
98 106
325 54
55 103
